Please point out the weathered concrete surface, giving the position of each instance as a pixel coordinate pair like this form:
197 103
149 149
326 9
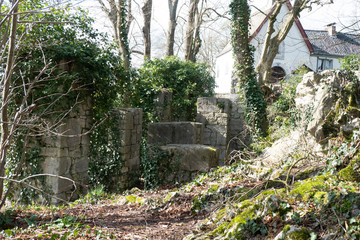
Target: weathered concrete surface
193 157
175 133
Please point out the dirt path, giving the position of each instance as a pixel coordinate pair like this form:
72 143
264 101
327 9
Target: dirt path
132 221
107 219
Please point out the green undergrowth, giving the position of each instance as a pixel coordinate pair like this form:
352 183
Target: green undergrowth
323 205
235 207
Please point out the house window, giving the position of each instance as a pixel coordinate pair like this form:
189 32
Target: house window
324 63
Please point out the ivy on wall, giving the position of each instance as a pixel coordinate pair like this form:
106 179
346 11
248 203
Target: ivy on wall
255 104
71 63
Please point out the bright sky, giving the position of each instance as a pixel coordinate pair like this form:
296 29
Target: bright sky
343 12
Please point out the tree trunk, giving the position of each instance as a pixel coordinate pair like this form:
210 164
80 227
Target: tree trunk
272 42
255 103
146 9
5 144
172 26
192 32
120 18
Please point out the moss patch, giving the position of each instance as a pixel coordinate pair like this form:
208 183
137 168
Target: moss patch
351 172
306 190
301 234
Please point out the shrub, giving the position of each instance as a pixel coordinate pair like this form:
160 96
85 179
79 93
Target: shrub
185 79
351 62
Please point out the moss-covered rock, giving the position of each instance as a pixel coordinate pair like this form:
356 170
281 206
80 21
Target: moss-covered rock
293 233
307 189
129 199
351 172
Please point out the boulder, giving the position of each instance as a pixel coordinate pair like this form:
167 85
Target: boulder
327 101
291 232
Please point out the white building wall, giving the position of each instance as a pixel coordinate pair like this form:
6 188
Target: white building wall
293 53
224 69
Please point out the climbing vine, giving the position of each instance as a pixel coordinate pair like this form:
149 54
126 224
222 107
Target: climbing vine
64 64
254 97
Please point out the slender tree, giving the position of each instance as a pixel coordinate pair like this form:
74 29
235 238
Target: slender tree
192 39
274 36
170 41
5 136
146 9
244 60
119 14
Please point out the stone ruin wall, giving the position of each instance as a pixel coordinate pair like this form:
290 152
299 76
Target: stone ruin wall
224 123
67 155
219 120
214 113
130 123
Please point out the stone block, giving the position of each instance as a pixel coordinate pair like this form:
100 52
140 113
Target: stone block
138 129
76 153
85 139
53 152
222 156
73 142
213 105
207 137
125 149
72 127
82 165
134 163
85 150
52 141
221 139
64 166
206 104
193 157
125 137
64 185
175 133
133 138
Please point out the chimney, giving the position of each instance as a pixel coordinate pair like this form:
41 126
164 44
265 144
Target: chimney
331 30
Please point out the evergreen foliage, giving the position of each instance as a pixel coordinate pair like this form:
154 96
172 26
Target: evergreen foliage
186 80
72 62
254 97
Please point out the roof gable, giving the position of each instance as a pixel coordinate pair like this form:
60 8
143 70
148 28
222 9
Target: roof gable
297 23
259 19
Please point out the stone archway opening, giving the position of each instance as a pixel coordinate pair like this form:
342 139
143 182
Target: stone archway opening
278 74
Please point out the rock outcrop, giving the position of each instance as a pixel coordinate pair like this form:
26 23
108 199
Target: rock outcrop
331 102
